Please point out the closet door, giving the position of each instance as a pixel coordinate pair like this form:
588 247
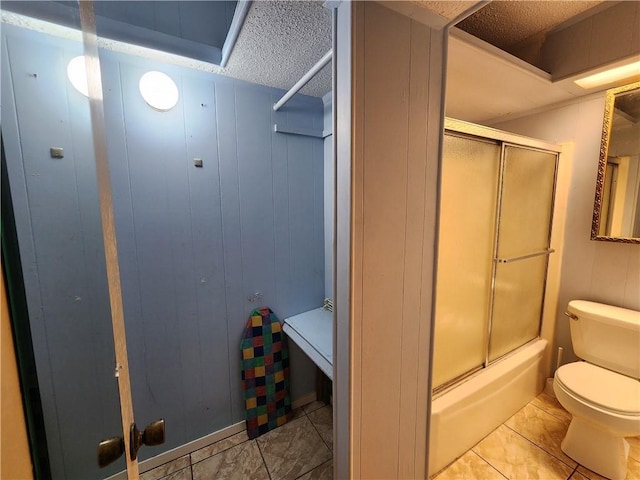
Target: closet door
58 256
469 183
526 204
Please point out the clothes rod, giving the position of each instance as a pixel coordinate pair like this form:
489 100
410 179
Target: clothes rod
304 80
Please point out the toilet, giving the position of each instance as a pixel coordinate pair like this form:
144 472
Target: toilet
602 391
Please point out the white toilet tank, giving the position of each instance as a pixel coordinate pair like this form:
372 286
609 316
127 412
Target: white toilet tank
606 335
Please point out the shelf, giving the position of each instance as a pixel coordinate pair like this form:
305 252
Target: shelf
312 331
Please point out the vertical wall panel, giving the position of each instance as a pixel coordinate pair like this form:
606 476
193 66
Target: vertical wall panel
230 202
282 227
301 160
329 196
435 114
384 223
255 187
396 135
253 121
319 251
414 232
208 281
154 143
67 296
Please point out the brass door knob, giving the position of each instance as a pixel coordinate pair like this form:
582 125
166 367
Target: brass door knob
152 435
110 450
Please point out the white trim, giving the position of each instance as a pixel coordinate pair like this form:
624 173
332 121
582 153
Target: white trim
202 442
183 450
303 400
503 56
460 126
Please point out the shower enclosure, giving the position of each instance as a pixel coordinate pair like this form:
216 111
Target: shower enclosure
496 208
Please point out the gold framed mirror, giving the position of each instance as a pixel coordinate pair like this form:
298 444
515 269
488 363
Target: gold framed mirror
616 212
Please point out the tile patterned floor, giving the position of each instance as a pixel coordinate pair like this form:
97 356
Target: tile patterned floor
527 446
300 449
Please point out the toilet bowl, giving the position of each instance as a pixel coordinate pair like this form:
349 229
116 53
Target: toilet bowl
602 391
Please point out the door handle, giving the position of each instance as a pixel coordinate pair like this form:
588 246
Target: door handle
111 449
152 435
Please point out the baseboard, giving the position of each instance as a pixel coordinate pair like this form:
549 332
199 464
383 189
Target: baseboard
182 450
303 400
202 442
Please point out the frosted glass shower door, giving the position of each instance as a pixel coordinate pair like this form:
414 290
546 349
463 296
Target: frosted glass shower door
523 237
469 185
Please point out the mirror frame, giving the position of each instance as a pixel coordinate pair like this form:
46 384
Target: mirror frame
602 164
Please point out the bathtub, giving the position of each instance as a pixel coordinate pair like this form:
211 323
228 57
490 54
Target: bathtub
467 413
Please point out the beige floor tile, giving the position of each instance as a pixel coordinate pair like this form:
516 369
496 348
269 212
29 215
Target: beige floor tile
470 465
237 463
219 446
323 472
577 476
518 458
292 449
633 471
166 469
310 407
184 474
584 471
634 451
297 413
551 405
322 419
543 429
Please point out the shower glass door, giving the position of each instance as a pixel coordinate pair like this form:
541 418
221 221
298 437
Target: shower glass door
523 237
496 204
469 186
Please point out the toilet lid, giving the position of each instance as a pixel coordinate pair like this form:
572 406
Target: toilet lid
601 387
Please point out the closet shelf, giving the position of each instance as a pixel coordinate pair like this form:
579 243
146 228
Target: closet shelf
312 331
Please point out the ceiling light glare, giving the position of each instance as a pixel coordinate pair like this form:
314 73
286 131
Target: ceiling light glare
77 74
610 76
159 91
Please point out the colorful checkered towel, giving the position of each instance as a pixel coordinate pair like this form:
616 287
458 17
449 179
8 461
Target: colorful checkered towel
265 373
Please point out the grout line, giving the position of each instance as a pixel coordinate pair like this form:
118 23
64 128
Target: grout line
574 471
484 460
472 449
308 471
264 462
319 434
488 462
541 447
317 466
318 408
218 452
549 411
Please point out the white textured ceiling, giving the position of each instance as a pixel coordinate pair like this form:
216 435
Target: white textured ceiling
280 41
507 23
448 9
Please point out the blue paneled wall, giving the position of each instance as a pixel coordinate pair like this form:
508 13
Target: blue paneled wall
195 244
